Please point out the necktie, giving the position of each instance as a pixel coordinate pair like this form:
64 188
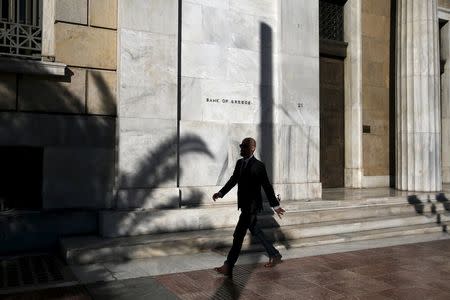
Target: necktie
244 164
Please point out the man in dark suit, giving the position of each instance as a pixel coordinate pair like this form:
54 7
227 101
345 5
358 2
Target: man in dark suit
250 175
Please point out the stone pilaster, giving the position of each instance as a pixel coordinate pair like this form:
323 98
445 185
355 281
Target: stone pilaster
353 94
418 112
147 103
445 102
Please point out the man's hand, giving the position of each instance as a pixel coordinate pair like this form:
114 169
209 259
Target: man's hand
280 211
216 195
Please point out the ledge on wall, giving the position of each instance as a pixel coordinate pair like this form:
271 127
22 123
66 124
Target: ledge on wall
333 48
22 66
375 181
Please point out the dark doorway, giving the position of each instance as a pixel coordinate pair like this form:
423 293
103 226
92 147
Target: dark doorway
332 121
333 51
21 178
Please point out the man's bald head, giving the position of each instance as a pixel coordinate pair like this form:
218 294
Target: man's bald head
250 141
248 146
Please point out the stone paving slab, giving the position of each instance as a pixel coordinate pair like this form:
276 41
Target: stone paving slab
405 271
183 263
414 271
135 289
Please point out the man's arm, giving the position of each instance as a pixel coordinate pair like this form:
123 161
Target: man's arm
229 185
268 189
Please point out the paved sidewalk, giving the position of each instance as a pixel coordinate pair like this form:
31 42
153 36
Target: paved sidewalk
410 271
415 271
113 271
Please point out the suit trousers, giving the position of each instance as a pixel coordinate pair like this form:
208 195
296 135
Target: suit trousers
248 220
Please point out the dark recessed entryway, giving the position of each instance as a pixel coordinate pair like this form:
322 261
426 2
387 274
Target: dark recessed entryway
331 122
333 51
21 177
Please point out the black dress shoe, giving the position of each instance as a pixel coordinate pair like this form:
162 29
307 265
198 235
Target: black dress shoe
273 261
224 270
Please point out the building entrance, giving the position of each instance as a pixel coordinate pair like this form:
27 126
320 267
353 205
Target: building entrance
21 178
331 122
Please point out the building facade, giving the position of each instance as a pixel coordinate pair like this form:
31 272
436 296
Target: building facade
114 110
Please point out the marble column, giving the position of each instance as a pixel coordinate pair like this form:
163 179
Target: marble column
445 101
353 94
418 111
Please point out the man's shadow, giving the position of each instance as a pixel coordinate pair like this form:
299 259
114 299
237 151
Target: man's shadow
228 289
232 288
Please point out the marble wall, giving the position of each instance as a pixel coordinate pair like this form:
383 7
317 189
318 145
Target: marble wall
444 4
70 116
376 16
246 68
78 155
367 93
147 109
353 95
445 101
221 59
251 68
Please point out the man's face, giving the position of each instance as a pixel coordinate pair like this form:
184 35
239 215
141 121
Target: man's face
247 148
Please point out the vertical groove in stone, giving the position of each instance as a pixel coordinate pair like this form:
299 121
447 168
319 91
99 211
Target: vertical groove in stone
432 82
417 90
428 108
437 90
398 82
436 69
398 94
403 90
409 101
404 48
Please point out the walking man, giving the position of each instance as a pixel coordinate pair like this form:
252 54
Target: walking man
250 175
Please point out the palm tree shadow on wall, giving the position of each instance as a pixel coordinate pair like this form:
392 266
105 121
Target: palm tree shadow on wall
155 170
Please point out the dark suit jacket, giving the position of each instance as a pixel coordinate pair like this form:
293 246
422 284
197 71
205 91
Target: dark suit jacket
250 181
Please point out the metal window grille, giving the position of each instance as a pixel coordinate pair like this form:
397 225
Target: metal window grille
21 28
331 20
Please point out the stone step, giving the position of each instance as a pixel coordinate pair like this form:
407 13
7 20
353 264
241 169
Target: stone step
420 229
83 250
300 205
172 198
445 226
200 200
114 223
444 217
293 232
340 213
379 193
323 203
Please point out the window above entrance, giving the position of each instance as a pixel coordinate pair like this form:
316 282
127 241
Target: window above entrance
331 20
